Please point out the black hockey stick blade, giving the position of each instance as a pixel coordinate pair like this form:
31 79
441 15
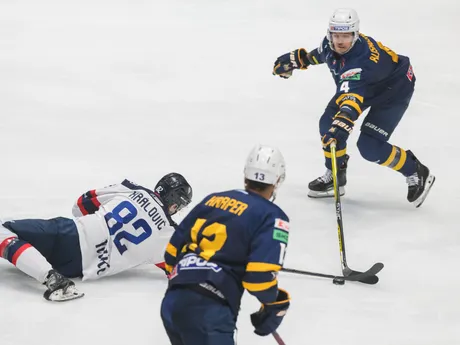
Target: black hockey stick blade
368 277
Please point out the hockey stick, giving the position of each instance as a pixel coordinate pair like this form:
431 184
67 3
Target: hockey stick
278 338
356 277
347 272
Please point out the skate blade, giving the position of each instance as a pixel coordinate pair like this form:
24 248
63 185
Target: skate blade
429 183
327 194
60 296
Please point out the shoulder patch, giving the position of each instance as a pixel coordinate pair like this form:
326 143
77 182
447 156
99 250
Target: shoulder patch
281 224
352 74
280 235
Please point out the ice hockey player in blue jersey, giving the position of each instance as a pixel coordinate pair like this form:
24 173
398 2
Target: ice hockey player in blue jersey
231 241
367 75
115 228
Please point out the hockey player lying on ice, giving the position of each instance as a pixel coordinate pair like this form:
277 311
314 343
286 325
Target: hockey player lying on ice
116 228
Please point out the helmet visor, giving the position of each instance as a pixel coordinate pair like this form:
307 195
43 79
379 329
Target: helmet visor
342 37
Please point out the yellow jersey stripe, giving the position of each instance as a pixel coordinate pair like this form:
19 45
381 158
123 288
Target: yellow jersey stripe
360 98
262 267
171 250
259 286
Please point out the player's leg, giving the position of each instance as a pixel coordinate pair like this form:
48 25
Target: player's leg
168 307
373 145
194 318
323 186
35 246
22 254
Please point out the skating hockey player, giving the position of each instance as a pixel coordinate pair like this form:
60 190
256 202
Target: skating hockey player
116 228
367 75
229 242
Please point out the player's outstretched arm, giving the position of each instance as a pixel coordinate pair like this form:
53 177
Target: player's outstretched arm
89 202
297 59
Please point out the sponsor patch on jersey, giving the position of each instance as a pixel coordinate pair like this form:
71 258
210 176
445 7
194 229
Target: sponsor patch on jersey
280 235
410 73
194 262
281 224
352 74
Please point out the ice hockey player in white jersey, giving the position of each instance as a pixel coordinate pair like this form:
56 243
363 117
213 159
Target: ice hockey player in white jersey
115 228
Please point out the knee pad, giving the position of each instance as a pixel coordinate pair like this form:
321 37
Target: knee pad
370 147
7 246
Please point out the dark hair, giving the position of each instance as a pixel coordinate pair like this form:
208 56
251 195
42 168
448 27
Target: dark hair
256 185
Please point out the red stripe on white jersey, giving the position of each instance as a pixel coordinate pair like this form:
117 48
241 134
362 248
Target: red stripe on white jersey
94 198
18 253
81 207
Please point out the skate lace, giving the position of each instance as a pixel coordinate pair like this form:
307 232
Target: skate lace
327 177
54 280
412 180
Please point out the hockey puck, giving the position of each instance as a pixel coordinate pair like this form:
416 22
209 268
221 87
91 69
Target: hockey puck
338 281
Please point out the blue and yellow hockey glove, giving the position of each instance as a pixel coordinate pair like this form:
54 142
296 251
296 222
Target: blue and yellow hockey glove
270 315
286 63
341 128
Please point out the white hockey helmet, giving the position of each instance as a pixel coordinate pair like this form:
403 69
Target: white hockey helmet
265 164
343 20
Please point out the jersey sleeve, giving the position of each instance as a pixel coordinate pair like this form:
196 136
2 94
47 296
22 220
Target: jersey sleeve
318 55
179 238
89 202
266 258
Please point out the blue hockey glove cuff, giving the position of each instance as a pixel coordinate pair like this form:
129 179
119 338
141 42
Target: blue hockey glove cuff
270 315
341 128
285 64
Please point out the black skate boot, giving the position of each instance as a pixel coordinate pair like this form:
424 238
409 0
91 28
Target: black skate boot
60 288
419 183
323 186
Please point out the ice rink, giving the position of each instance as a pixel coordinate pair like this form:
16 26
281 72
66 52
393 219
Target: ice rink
95 91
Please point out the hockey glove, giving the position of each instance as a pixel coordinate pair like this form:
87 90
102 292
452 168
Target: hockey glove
270 315
341 128
286 63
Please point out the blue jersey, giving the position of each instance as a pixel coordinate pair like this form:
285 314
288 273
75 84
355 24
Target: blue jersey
234 240
370 74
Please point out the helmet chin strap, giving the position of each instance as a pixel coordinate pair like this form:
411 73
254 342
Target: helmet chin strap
273 197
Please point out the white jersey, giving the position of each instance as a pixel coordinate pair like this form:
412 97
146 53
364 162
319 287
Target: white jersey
121 226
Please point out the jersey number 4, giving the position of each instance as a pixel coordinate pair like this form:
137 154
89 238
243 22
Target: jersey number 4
123 214
345 87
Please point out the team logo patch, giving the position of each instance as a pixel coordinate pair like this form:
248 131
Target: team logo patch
352 74
281 224
280 235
